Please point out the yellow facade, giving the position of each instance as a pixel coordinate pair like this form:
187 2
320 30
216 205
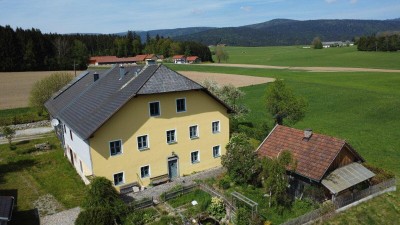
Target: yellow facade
134 120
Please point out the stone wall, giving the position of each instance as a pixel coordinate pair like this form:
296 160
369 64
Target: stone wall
43 123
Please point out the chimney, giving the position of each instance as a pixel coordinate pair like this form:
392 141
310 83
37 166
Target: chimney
121 71
307 134
95 76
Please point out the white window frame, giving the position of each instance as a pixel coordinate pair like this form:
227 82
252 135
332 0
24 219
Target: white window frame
147 140
198 157
109 147
159 108
197 131
219 151
141 172
176 105
219 127
175 136
123 178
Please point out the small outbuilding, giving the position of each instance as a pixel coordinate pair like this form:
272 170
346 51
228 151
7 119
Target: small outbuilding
321 160
6 209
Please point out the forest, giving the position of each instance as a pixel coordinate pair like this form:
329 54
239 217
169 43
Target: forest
385 41
31 50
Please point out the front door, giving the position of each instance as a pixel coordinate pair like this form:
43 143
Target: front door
173 168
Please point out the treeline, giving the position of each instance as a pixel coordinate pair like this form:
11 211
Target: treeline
30 50
387 41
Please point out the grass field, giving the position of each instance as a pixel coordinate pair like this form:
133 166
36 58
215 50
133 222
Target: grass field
298 56
31 174
362 108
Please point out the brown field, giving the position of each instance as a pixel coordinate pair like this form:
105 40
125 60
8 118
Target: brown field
222 78
16 86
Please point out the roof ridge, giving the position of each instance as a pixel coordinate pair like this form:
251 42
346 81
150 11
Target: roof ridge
265 139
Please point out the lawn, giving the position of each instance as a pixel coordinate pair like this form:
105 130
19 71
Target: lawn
20 115
362 108
298 56
31 174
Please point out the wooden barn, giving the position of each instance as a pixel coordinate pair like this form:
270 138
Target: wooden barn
321 160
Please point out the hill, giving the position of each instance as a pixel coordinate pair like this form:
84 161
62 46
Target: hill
291 32
169 32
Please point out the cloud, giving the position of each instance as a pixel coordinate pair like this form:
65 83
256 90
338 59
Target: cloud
246 8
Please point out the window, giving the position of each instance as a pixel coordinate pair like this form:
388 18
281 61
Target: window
118 178
215 127
181 105
171 137
154 108
193 132
115 147
216 151
144 171
142 142
65 129
195 157
70 134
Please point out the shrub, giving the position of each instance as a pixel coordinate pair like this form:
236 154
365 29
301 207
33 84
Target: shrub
95 216
217 208
224 183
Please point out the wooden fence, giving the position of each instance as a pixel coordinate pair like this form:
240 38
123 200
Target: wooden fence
176 193
342 201
143 203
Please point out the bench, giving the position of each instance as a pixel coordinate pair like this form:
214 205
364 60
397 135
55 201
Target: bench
127 188
159 179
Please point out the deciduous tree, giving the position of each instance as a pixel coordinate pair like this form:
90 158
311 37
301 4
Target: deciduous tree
43 89
275 180
282 103
9 134
240 159
221 54
317 43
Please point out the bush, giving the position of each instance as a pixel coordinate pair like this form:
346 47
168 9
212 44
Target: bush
95 216
217 208
224 183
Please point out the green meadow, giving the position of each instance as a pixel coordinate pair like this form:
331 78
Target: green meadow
360 107
299 56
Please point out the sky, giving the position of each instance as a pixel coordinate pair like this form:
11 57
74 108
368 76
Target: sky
113 16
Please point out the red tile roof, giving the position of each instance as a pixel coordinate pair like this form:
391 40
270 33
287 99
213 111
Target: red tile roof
178 57
192 58
314 156
140 57
110 59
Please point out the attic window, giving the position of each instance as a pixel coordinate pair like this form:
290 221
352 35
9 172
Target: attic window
181 105
154 108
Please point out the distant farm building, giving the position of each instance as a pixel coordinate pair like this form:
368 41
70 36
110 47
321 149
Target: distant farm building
193 59
111 60
329 44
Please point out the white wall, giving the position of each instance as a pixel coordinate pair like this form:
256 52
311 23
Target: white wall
81 149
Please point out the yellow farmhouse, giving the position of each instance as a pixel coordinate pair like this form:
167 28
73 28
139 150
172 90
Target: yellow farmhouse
139 125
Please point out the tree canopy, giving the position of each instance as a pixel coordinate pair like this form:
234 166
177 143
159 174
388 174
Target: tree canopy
317 43
274 176
221 54
43 89
240 159
282 103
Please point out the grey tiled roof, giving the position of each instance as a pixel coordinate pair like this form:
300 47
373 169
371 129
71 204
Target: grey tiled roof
84 105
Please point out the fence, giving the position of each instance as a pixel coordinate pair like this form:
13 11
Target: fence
176 193
342 201
143 203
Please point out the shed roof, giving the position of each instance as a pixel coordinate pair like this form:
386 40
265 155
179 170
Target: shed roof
192 58
346 176
313 155
85 105
6 207
178 57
